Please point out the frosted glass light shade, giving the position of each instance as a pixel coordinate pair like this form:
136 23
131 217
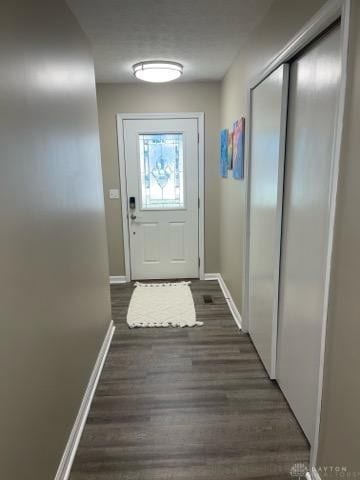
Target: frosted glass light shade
157 71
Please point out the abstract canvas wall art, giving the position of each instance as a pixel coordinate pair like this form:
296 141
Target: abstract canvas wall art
238 148
224 152
230 149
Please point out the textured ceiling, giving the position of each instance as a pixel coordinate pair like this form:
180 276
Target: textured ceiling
203 35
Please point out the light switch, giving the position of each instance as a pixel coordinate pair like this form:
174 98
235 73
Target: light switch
114 193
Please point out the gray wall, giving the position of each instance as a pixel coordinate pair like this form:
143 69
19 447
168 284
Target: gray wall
280 24
54 297
145 98
340 416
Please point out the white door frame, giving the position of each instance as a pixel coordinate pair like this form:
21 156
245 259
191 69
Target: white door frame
199 116
324 18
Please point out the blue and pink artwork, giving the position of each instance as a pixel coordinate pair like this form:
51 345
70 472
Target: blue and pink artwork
238 148
230 149
224 152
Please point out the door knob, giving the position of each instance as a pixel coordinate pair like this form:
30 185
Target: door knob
132 216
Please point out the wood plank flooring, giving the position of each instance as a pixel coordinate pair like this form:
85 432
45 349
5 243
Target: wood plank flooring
187 404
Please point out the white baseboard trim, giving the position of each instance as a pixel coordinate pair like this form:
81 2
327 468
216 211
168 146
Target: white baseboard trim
211 276
233 308
67 459
115 279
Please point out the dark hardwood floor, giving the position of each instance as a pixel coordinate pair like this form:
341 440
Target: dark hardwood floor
187 404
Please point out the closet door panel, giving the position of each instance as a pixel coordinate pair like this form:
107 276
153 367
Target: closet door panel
268 120
313 95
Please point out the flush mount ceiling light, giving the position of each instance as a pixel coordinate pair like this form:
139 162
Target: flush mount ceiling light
157 71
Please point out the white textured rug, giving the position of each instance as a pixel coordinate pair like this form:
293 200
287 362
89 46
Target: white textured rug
162 305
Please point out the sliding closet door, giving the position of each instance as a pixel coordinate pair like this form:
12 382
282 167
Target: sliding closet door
313 97
268 120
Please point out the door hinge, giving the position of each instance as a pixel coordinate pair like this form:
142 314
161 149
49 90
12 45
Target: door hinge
198 202
199 261
198 137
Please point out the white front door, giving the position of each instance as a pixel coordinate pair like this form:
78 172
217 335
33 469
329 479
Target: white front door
162 183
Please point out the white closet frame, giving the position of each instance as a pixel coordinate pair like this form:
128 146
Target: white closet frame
332 11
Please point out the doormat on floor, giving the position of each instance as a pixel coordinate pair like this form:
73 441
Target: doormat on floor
162 305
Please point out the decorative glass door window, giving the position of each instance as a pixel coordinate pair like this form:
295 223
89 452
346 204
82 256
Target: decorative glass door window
162 171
